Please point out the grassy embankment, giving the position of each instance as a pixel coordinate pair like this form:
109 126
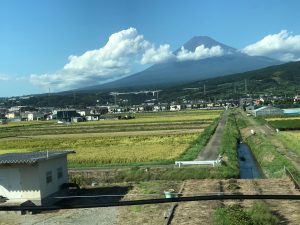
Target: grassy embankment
264 147
289 134
291 139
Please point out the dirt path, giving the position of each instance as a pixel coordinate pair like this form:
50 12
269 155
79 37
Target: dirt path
197 212
210 151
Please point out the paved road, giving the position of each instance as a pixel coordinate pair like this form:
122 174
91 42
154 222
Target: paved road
210 151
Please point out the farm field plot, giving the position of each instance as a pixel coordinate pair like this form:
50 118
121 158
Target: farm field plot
143 122
286 124
150 138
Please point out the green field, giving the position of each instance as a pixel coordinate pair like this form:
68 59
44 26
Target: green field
286 124
150 138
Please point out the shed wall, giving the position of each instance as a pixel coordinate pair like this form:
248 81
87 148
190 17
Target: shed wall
52 165
19 183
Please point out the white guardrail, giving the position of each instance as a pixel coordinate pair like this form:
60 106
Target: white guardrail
189 163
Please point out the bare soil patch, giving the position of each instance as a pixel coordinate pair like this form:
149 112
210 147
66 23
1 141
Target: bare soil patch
202 212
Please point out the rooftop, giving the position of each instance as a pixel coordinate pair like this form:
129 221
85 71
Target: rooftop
31 157
266 107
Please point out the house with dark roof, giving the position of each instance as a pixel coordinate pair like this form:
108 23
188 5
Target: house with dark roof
33 176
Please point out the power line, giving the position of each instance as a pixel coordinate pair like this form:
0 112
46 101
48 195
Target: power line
220 197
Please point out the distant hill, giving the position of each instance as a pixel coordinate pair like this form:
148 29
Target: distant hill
276 80
179 72
282 79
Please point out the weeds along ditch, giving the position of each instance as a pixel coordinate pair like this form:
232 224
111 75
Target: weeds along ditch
228 148
271 161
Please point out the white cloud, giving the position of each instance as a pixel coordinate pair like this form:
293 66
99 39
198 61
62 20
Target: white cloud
283 46
4 77
200 53
115 59
159 55
124 51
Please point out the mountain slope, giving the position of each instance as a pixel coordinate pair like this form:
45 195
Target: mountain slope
281 79
208 42
178 72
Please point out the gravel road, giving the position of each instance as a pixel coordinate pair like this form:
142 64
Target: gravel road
93 216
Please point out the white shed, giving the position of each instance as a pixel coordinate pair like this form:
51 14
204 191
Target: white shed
33 176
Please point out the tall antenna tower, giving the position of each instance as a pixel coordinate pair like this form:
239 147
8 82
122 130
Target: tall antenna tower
204 89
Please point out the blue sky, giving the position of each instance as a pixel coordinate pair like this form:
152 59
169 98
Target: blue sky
38 36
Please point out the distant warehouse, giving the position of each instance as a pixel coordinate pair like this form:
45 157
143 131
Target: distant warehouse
267 110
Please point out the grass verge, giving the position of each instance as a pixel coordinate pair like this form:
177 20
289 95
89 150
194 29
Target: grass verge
228 147
258 214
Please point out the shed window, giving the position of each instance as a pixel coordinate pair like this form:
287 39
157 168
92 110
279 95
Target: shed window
59 172
49 177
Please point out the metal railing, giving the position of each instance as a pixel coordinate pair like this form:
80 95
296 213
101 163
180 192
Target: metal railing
190 163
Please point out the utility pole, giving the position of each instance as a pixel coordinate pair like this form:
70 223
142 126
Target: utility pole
204 90
49 97
246 87
234 88
74 98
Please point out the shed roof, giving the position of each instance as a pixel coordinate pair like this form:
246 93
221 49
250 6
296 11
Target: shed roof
265 107
31 157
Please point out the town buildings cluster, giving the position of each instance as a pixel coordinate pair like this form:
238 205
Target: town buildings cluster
98 112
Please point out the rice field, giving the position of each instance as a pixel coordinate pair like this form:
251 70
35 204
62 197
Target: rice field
150 138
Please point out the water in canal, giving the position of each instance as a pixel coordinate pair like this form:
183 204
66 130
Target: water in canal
249 169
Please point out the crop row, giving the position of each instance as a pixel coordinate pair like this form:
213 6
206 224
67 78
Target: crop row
96 151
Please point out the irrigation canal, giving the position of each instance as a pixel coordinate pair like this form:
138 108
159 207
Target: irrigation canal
249 168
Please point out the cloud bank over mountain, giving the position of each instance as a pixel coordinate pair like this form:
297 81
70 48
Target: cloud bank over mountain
123 51
127 49
283 46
